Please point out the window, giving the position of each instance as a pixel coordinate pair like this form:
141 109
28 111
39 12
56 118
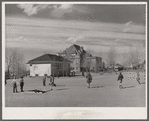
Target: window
72 68
76 68
73 55
55 65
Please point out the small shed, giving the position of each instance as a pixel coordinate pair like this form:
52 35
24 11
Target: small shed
49 64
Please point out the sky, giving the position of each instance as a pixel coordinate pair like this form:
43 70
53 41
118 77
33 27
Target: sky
35 29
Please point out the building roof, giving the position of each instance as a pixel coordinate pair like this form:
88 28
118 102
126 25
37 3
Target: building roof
47 58
78 48
118 65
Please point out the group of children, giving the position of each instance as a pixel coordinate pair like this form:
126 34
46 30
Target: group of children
14 82
51 83
120 77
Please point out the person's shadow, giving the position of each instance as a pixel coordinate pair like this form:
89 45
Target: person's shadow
37 91
62 89
97 87
128 87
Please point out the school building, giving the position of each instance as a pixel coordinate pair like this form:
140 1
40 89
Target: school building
78 56
49 64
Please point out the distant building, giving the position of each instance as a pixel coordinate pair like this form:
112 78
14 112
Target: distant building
49 64
96 63
118 67
78 56
103 65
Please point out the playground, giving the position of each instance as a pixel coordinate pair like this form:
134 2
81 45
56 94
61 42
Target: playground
73 92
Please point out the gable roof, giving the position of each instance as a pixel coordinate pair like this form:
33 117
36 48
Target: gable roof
48 58
78 48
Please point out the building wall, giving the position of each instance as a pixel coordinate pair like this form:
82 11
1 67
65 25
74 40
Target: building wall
75 65
103 65
60 69
54 69
96 64
93 64
40 69
72 55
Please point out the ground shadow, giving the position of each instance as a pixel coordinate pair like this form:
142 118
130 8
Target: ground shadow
129 87
37 91
60 85
63 89
97 87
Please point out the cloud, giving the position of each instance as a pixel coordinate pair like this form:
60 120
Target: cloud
129 24
56 34
29 9
132 28
65 6
61 10
56 10
74 39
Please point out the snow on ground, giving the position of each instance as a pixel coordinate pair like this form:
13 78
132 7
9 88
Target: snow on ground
73 92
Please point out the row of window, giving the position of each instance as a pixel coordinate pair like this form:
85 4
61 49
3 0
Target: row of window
58 65
73 68
72 55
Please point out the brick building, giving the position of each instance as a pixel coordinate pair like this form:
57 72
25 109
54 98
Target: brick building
76 54
79 58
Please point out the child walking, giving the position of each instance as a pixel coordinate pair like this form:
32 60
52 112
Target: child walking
44 80
120 77
14 82
89 79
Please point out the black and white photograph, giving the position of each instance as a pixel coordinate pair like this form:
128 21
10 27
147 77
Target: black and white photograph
78 60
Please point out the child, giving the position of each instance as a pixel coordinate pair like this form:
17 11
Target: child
138 78
44 80
89 79
21 84
52 82
120 77
14 81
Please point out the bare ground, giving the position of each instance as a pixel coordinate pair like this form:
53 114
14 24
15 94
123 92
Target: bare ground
73 92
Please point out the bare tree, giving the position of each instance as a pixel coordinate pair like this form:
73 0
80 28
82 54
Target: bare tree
15 62
125 59
8 59
133 57
111 56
